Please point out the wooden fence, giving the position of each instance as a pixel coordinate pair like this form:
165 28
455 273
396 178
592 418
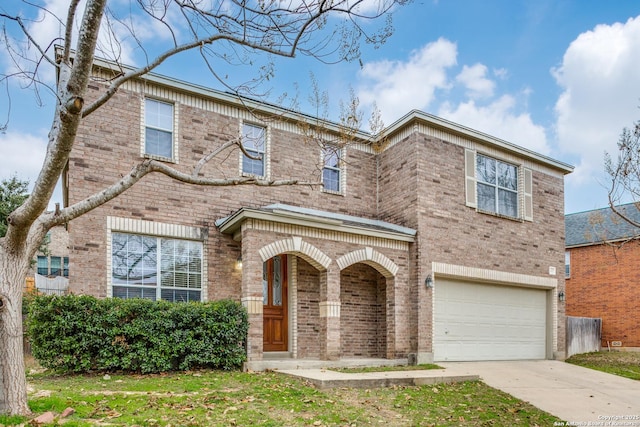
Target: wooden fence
584 335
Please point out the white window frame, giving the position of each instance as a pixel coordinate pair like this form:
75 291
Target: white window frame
254 151
160 230
172 129
497 188
339 153
567 264
524 186
157 289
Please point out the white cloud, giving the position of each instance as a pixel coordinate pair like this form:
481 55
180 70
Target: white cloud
601 94
500 120
397 86
22 156
475 81
501 73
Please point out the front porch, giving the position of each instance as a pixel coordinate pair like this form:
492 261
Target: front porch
323 291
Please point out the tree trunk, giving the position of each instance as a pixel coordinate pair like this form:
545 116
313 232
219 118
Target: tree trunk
13 383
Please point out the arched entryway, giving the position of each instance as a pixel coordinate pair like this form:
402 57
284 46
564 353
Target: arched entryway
363 316
367 290
291 283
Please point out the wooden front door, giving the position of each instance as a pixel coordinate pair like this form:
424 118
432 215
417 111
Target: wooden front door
274 287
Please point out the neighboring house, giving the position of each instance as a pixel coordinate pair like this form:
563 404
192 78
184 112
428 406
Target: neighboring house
602 274
436 242
50 273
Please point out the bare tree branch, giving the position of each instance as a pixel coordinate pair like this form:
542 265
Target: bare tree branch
51 219
231 32
624 174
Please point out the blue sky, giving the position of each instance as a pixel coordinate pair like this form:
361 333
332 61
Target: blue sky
559 77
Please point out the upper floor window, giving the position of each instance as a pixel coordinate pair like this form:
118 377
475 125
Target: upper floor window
254 142
497 186
156 268
331 169
158 122
53 266
567 264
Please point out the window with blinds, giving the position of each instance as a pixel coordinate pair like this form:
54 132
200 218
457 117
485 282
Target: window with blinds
156 268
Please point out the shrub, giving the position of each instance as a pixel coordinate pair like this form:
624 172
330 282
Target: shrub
82 333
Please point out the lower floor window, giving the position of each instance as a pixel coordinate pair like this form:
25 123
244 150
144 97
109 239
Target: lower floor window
53 266
156 268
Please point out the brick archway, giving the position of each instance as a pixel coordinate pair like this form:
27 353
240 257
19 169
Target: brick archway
296 245
371 257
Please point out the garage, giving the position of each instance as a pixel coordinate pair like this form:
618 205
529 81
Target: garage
479 321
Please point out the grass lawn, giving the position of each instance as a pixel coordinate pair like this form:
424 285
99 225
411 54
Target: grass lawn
623 363
214 398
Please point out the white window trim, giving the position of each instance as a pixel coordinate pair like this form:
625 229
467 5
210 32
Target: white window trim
341 152
143 127
567 263
156 229
525 186
266 154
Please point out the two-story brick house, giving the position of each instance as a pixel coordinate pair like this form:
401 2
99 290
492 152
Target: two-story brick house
437 242
602 275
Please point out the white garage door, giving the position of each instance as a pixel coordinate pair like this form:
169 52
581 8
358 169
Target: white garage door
475 321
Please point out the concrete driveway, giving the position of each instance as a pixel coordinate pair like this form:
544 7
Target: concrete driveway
574 394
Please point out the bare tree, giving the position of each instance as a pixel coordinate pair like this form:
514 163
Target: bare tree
228 31
624 173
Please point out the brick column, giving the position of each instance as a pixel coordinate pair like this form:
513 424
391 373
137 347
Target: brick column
330 313
392 312
252 293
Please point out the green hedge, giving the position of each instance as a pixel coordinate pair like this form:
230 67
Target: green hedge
82 333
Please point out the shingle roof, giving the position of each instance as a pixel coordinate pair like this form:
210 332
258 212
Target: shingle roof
599 225
347 219
316 218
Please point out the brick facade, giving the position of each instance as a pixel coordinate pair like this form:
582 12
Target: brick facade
603 283
354 290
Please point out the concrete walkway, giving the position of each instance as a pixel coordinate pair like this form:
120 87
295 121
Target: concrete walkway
575 394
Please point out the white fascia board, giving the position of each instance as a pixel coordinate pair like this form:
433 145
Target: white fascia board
227 98
452 127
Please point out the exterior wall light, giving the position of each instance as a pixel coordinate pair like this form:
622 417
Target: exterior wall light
239 263
428 282
561 296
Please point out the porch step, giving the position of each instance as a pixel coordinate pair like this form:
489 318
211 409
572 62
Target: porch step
285 362
324 378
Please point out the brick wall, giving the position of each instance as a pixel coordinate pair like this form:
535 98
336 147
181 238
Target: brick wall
427 174
362 312
418 183
308 310
456 234
108 146
604 283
